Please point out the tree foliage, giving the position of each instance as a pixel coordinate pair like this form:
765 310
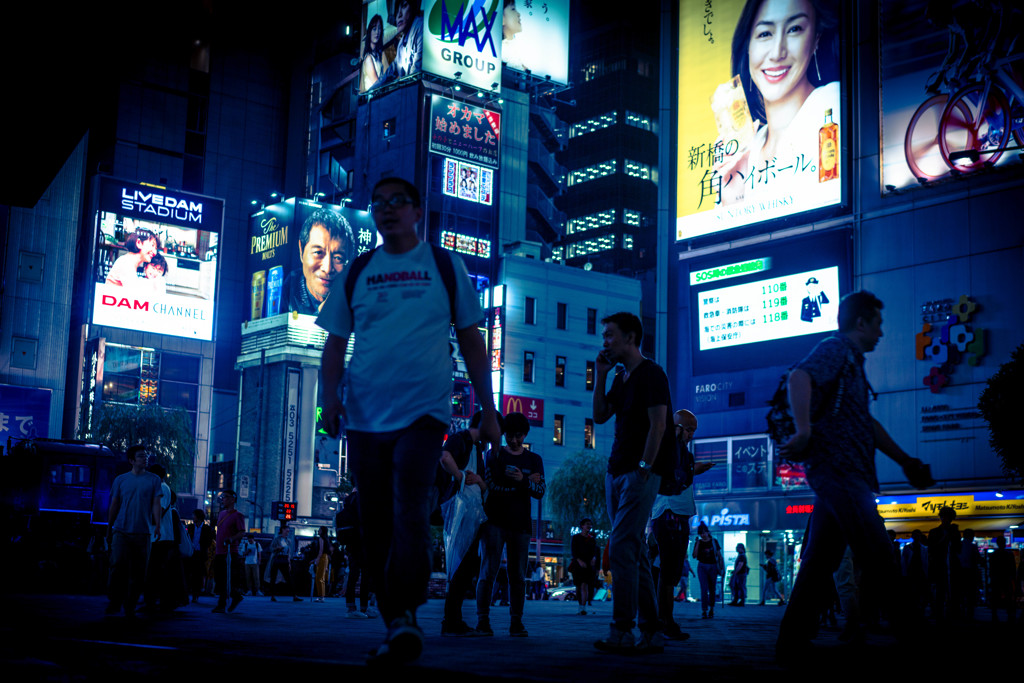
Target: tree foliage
1002 404
577 491
168 434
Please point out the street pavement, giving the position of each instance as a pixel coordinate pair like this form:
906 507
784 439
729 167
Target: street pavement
67 638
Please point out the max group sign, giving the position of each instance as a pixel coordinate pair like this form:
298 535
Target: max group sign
461 40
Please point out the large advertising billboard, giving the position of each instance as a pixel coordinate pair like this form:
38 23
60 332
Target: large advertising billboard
946 89
462 41
298 248
155 266
24 413
391 47
535 38
760 126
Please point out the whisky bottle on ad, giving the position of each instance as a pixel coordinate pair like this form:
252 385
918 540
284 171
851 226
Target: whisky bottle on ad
828 149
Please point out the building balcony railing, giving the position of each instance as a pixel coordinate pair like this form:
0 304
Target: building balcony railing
550 172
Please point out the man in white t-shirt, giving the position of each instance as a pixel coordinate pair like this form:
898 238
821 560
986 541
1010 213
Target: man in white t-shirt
397 402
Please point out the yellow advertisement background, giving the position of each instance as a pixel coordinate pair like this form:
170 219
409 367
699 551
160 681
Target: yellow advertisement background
702 67
928 506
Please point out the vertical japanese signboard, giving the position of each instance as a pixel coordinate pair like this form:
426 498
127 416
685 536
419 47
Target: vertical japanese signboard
760 125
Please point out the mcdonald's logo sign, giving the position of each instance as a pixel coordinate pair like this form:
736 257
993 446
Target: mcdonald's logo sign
532 408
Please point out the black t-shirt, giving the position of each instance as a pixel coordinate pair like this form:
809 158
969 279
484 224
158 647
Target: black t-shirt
646 387
508 500
460 445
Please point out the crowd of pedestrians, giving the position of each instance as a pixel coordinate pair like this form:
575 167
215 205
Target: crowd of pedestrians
400 301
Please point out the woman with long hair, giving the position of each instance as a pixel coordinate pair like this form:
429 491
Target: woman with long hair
373 53
786 54
143 246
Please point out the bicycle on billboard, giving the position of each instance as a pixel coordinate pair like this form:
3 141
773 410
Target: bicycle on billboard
977 103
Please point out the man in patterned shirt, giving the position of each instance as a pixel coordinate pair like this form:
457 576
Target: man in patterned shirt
838 451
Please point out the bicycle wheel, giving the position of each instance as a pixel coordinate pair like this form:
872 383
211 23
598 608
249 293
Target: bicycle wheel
972 125
921 143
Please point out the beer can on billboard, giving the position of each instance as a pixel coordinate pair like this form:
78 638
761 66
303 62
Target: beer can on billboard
275 282
259 281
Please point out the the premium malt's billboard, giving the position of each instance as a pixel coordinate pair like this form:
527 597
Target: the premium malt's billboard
760 126
298 250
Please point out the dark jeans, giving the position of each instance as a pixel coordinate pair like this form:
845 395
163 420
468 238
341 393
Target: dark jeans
355 568
672 532
517 549
159 576
707 574
280 564
844 514
395 474
129 554
225 585
459 585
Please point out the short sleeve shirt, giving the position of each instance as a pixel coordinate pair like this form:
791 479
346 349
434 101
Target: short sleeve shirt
400 317
842 437
646 388
135 516
229 523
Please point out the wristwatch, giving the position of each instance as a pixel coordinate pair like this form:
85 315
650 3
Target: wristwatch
643 465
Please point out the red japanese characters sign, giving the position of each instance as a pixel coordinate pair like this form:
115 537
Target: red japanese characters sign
464 131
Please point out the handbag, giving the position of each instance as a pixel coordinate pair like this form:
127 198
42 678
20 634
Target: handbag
463 514
181 535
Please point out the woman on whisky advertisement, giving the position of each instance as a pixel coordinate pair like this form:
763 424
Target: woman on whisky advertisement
785 54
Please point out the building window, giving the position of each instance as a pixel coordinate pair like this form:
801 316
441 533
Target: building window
636 169
563 313
591 321
559 439
593 172
557 253
631 217
588 434
627 241
590 222
590 375
559 371
587 247
637 120
389 128
592 124
531 311
528 366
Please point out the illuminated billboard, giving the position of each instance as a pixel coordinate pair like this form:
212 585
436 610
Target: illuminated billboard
767 304
462 130
936 115
535 38
468 181
391 46
155 265
462 41
760 126
298 248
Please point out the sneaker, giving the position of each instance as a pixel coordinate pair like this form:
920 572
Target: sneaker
457 629
617 642
372 612
296 598
483 627
404 642
234 603
651 643
516 629
704 614
353 613
673 632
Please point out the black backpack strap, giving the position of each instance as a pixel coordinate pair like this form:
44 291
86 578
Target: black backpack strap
351 277
444 264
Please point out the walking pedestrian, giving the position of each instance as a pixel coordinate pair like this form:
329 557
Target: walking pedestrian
399 302
710 564
228 572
